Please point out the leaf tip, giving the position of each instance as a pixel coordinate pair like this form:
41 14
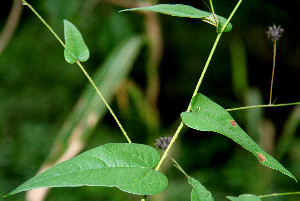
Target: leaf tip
120 11
7 195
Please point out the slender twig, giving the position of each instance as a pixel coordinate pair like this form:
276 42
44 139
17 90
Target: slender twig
273 70
274 33
212 6
45 23
197 87
257 106
279 194
205 68
179 167
170 146
107 105
84 71
213 50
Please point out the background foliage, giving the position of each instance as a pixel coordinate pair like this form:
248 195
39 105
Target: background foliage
38 90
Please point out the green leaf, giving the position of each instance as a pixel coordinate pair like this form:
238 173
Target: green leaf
180 10
123 165
207 115
199 192
244 197
76 49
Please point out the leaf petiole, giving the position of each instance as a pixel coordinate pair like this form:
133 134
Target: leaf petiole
258 106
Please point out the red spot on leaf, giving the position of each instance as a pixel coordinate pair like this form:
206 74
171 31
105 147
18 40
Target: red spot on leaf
261 157
233 123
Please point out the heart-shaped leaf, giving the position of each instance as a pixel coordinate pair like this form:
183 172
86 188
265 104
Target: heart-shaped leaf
76 49
180 10
244 197
207 115
123 165
199 192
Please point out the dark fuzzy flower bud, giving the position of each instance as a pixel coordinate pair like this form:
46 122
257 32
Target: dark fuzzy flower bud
274 32
163 142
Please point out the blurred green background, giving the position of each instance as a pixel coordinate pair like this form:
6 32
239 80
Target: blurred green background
164 59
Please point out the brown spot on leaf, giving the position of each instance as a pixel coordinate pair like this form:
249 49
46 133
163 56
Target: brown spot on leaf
261 157
233 123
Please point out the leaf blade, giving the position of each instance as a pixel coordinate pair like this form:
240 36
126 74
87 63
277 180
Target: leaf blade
76 49
181 10
178 10
207 115
122 165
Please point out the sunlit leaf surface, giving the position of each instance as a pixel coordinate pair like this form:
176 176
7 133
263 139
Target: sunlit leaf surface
122 165
207 115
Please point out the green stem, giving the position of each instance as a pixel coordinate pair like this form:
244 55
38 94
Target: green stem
279 194
180 168
84 71
212 51
40 17
189 107
273 70
212 6
197 87
169 146
107 105
257 106
231 15
205 68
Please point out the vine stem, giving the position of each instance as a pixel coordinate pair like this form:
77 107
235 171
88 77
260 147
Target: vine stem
45 23
84 71
279 194
180 168
197 86
212 6
170 146
273 70
189 107
107 105
257 106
